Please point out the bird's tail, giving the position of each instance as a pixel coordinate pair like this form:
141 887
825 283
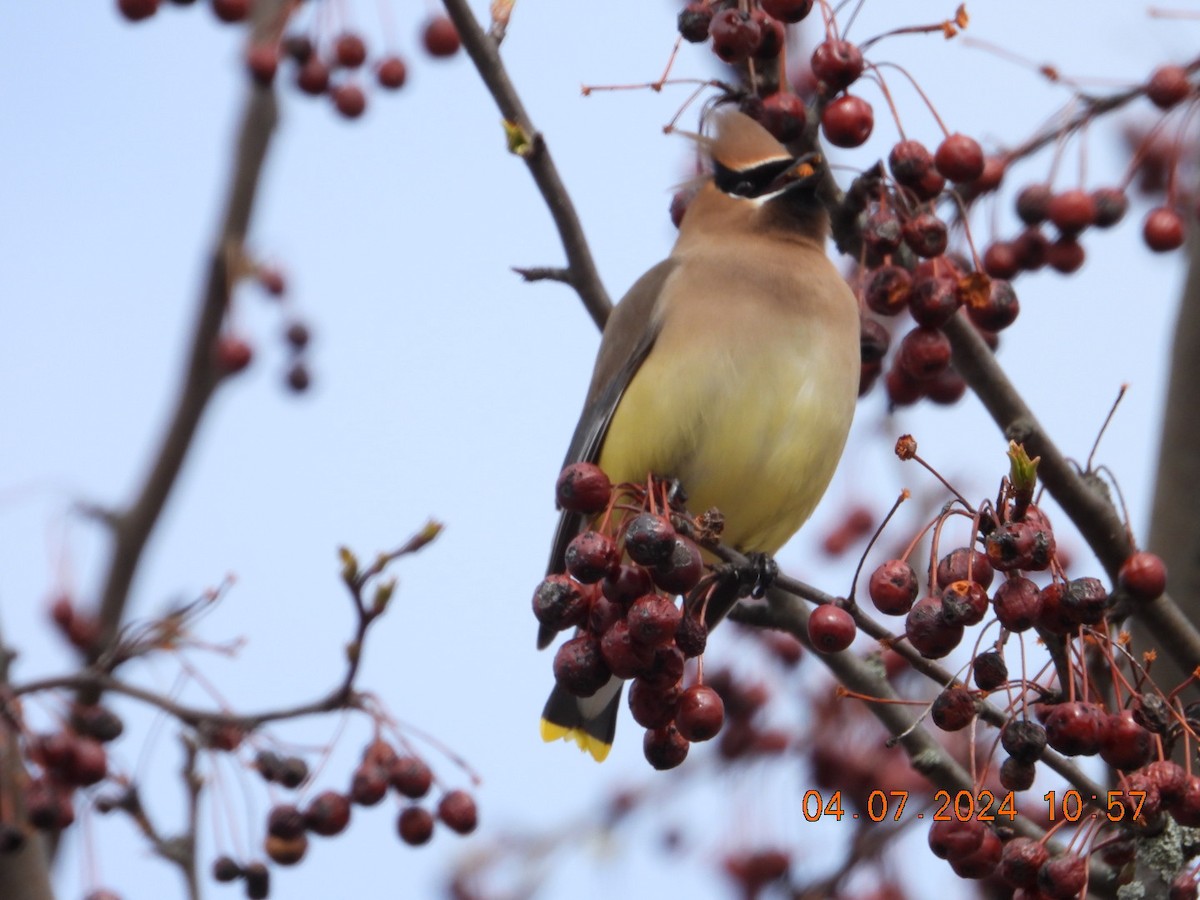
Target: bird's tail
590 722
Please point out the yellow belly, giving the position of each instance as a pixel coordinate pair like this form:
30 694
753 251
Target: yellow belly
753 427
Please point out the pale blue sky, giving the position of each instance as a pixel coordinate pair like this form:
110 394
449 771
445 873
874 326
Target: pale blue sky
442 385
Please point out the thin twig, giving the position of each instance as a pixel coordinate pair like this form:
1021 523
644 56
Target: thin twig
485 54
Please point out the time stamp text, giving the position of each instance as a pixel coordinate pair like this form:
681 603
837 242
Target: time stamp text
883 806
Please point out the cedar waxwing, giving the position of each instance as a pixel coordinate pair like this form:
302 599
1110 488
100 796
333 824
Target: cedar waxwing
731 366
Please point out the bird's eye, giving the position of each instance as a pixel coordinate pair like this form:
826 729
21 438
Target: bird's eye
743 189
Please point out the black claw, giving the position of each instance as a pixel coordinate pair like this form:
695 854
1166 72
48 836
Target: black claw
764 570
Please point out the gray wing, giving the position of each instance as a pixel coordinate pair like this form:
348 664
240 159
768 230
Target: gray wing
628 339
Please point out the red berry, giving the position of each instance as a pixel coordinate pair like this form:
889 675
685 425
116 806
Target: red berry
559 602
1071 211
88 762
1185 808
787 10
350 50
369 784
982 863
946 388
232 354
1023 740
415 825
772 34
902 388
262 60
831 629
137 10
327 814
231 10
964 603
1168 85
1063 878
349 99
458 812
410 776
953 839
934 300
930 186
225 869
1163 229
285 821
694 20
926 235
624 657
837 63
735 35
888 290
910 162
953 709
1033 203
995 308
579 666
682 571
583 488
873 340
440 37
1066 255
784 115
1111 205
990 670
592 555
313 77
1018 604
1073 728
964 563
923 352
882 232
959 158
391 73
1143 575
653 706
1000 260
928 631
258 881
1020 861
700 714
298 47
1020 545
847 121
1032 248
893 587
653 620
649 539
1124 744
665 748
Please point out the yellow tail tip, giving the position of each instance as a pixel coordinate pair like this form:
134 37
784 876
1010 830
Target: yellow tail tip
596 747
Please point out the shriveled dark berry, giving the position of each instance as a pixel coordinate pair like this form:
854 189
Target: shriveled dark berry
1020 861
1033 203
410 776
1023 739
893 587
923 352
653 620
591 555
559 602
964 603
649 539
909 162
990 670
665 748
888 290
953 709
928 631
225 869
694 20
691 636
1016 775
579 666
682 571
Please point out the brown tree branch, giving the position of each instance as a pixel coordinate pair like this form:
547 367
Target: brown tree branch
485 54
132 526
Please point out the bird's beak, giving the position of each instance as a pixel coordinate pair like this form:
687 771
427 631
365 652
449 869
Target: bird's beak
803 169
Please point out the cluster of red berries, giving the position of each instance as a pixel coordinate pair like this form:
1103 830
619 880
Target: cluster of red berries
63 761
622 577
327 814
325 71
233 353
